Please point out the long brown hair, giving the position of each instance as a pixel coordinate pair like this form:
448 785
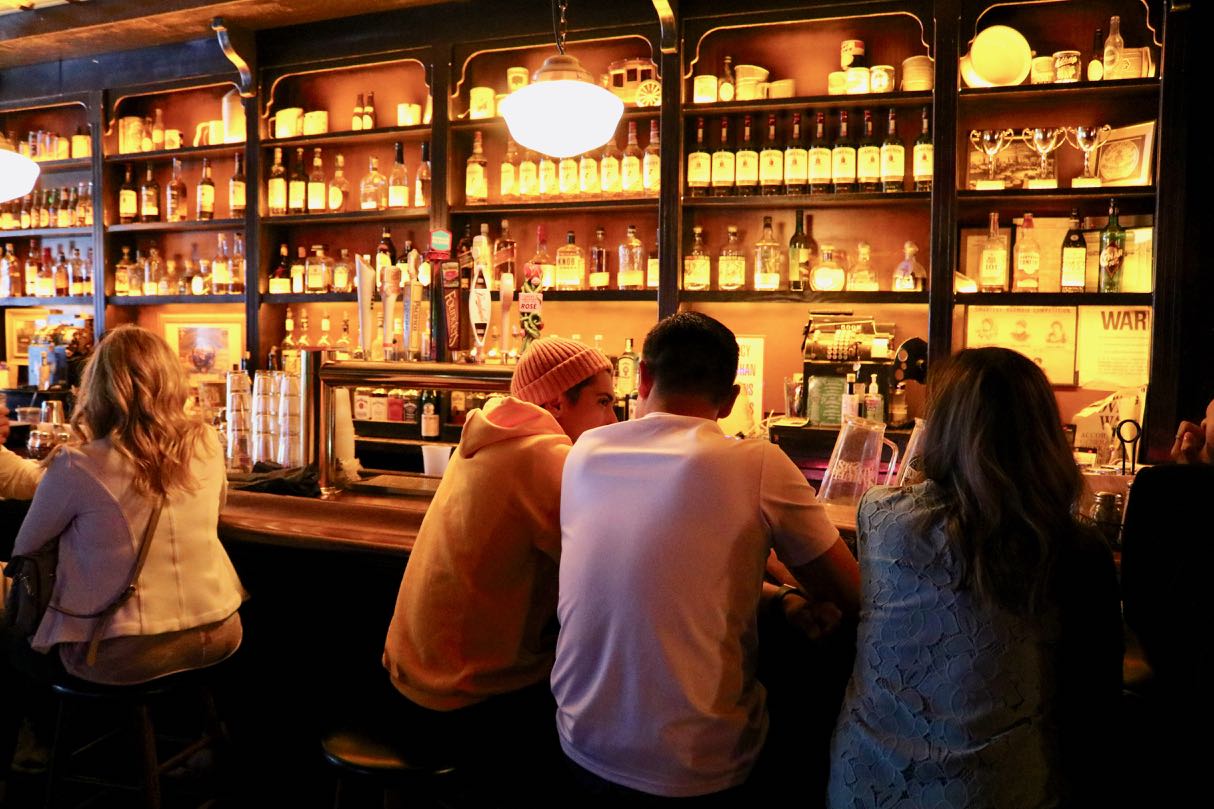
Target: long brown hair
995 445
133 392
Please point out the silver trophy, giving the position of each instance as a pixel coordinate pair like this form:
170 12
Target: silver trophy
1087 139
991 142
1044 141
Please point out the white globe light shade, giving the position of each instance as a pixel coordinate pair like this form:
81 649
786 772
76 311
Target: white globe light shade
562 113
17 175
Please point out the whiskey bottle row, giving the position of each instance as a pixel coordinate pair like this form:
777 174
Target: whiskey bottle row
146 202
768 163
303 191
148 273
42 275
64 207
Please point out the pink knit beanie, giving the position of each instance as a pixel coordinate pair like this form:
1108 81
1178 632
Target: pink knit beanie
552 366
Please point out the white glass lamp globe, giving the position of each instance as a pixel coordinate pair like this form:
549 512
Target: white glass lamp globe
562 113
17 174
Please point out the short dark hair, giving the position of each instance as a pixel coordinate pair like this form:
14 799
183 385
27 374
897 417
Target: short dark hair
575 393
691 353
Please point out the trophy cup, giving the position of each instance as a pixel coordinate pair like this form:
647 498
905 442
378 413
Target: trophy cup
1044 141
1087 139
991 142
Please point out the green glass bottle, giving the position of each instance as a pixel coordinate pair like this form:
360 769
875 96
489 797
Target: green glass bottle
1112 252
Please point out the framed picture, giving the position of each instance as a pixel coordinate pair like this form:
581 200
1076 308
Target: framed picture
1044 334
207 345
1125 158
1015 165
19 327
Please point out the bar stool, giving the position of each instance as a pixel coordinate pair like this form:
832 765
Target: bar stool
378 761
134 704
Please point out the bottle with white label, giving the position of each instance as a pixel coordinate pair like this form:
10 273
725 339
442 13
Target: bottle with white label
631 271
276 191
508 172
697 269
769 260
626 370
567 179
746 161
588 176
923 156
609 170
843 159
652 263
771 161
549 185
128 199
206 192
868 158
819 158
849 402
1026 259
431 421
398 180
1074 257
599 276
699 164
861 277
723 163
318 189
631 180
731 263
893 158
528 177
874 402
1113 46
992 269
570 265
339 186
651 164
796 157
476 183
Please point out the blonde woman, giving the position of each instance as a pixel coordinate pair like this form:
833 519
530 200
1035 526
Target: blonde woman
135 448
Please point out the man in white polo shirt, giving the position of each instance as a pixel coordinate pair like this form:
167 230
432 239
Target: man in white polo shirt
666 528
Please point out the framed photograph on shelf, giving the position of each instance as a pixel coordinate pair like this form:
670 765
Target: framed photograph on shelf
1044 334
1125 158
1015 166
207 345
19 327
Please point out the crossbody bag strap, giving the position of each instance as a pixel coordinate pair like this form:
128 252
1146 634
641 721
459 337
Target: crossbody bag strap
104 615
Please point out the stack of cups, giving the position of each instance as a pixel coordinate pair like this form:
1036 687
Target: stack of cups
290 423
265 415
240 422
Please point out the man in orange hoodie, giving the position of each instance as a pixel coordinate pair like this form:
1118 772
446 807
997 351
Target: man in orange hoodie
473 637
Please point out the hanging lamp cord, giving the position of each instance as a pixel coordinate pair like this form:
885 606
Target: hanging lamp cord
559 7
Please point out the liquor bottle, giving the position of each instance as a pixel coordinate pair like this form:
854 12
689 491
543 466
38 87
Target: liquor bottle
280 277
318 190
567 178
1026 259
1113 46
431 419
653 265
373 189
631 271
23 218
796 160
326 326
1112 240
508 186
541 266
276 189
549 184
158 131
923 156
6 215
746 161
827 274
631 180
528 177
768 254
588 175
199 272
1074 257
206 192
421 179
356 116
697 270
861 277
843 160
344 346
385 255
46 275
609 170
699 164
221 269
10 274
343 272
237 265
297 185
316 271
992 272
731 263
87 206
651 165
45 207
570 265
505 256
398 179
299 270
236 189
369 121
599 275
868 158
128 199
33 270
723 163
893 157
153 269
339 186
726 86
1095 70
149 198
802 256
771 161
626 370
910 276
63 275
67 208
122 273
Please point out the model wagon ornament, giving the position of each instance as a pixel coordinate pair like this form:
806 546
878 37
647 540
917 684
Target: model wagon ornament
634 81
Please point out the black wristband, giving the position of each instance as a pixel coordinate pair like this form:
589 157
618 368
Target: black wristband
784 591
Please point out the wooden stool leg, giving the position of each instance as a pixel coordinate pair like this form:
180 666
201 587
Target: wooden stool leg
56 742
151 764
337 794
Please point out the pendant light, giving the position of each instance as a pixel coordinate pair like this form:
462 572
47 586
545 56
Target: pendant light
563 112
17 172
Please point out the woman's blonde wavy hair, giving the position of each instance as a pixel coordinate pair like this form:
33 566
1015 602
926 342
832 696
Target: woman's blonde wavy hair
133 392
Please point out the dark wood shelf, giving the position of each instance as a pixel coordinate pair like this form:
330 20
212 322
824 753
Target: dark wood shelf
497 122
809 296
178 227
1084 90
161 300
1054 299
304 297
349 217
67 300
185 153
589 206
877 200
802 102
74 164
48 233
379 135
1056 195
604 295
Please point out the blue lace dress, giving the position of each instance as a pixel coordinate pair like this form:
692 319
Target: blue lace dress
951 700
